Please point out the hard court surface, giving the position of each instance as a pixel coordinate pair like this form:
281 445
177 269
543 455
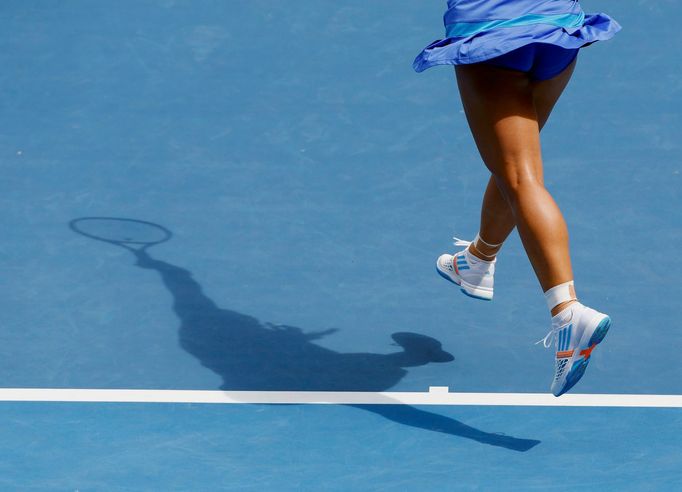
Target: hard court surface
310 178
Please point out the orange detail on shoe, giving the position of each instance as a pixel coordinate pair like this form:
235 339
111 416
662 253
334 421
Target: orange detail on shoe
454 264
588 351
564 354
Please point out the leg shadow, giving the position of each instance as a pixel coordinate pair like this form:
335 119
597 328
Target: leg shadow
414 417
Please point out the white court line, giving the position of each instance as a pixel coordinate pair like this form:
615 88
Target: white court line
437 395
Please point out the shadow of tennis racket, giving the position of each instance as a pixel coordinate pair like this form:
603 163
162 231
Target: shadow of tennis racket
134 235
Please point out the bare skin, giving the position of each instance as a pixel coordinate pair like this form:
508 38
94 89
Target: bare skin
506 111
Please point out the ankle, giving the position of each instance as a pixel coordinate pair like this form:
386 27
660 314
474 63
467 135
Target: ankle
560 307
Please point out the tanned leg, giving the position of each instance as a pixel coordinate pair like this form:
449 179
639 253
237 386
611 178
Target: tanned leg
506 110
497 220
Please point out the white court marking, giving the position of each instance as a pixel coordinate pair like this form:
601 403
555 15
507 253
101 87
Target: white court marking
437 395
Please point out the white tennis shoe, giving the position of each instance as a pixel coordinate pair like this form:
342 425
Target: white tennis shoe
474 276
576 331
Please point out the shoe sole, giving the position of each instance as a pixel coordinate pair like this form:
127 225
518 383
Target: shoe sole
462 287
578 367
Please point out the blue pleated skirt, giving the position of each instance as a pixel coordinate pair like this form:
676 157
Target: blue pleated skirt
479 30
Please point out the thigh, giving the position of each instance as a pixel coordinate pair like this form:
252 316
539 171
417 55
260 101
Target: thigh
500 108
547 92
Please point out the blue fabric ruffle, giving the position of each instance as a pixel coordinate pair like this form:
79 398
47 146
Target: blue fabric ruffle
484 29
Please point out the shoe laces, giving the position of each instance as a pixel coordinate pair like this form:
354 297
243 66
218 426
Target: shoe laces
460 242
549 339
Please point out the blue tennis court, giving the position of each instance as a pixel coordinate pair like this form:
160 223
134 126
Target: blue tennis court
308 179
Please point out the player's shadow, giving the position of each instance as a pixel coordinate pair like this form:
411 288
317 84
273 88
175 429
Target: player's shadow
253 356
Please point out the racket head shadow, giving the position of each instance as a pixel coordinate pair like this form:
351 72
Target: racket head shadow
132 234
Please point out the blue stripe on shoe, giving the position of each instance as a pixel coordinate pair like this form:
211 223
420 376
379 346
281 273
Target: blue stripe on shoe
568 337
560 345
565 338
562 339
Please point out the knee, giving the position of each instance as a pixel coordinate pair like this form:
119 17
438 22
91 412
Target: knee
515 186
